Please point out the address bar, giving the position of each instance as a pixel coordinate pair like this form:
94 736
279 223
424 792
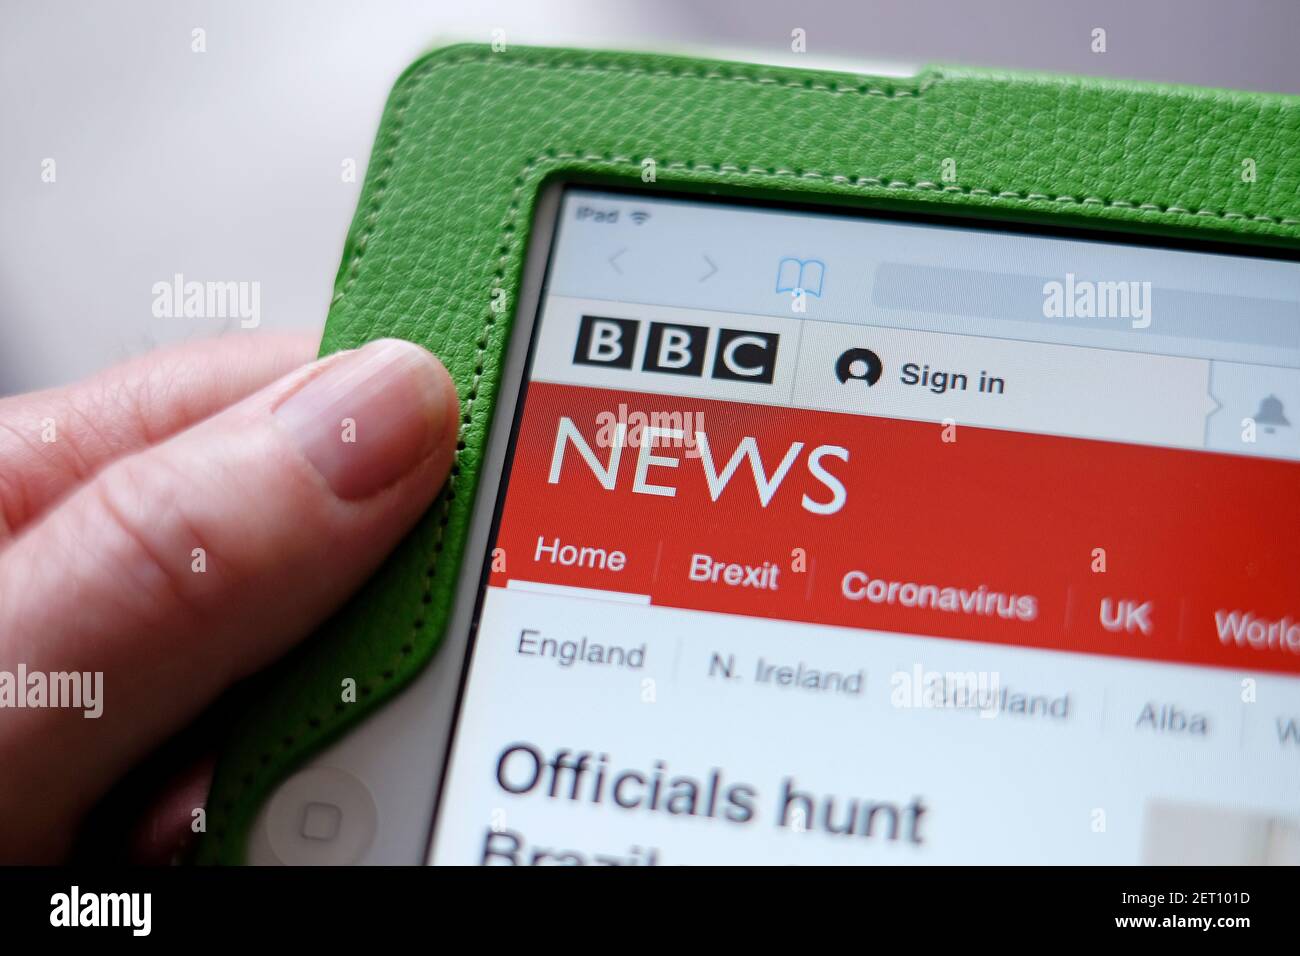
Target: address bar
994 295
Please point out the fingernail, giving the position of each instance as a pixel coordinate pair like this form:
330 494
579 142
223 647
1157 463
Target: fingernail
370 416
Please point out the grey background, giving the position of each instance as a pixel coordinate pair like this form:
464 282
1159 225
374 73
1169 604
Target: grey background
226 165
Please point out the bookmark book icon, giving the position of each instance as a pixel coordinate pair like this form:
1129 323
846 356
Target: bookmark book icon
806 274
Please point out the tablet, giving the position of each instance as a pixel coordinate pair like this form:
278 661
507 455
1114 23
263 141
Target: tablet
807 525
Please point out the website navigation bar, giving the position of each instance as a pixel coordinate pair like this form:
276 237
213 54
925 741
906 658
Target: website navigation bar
946 379
881 524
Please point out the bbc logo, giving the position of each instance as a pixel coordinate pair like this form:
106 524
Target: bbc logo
739 355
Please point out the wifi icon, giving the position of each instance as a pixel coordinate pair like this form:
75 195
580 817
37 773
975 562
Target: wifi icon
638 216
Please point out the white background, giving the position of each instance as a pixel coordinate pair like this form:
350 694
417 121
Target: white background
1005 789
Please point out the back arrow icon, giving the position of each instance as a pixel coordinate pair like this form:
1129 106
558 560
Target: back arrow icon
613 260
712 268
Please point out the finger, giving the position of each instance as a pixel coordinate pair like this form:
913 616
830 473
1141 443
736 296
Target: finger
53 440
166 830
184 567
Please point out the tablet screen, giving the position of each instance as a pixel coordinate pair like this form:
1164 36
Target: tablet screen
836 538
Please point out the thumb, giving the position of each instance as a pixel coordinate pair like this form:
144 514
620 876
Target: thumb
184 567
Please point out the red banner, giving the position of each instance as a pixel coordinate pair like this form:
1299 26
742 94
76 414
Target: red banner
877 523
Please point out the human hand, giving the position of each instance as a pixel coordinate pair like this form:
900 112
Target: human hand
179 522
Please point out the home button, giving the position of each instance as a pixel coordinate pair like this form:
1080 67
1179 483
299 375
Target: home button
321 816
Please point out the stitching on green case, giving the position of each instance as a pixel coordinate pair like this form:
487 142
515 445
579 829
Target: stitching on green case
730 73
737 74
413 84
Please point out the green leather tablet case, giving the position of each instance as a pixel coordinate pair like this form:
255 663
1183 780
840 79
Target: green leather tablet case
436 249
